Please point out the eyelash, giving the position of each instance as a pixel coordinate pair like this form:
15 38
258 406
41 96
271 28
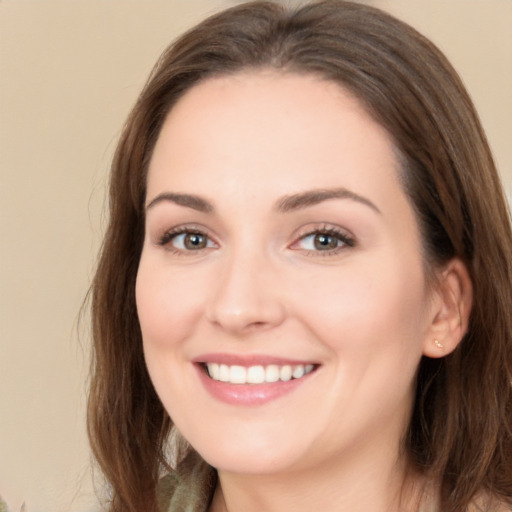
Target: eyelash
329 231
345 240
166 239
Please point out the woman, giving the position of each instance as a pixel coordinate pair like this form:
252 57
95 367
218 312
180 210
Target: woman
304 294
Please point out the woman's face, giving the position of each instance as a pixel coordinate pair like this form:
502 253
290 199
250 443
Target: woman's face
281 256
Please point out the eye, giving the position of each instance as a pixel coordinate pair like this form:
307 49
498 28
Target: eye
185 240
326 240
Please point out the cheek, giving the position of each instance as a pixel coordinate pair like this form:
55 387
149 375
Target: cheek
167 304
360 308
167 310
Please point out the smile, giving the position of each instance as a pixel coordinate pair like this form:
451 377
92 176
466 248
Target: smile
236 374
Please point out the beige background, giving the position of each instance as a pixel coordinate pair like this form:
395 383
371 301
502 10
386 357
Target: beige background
69 71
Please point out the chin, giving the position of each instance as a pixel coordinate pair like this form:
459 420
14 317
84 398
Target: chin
248 455
249 463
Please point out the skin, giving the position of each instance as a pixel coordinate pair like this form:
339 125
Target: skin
362 311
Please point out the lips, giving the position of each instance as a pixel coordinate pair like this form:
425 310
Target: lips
251 380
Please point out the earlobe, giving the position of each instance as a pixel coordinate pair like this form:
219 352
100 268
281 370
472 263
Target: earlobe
452 309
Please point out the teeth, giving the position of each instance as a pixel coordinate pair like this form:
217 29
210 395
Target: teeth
224 373
214 371
272 373
285 373
257 374
237 375
298 371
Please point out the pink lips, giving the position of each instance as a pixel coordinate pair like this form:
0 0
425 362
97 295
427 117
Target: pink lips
248 394
246 360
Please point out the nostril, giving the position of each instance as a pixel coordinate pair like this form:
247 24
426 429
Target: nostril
240 303
257 324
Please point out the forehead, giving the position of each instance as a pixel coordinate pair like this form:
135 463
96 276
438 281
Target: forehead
270 131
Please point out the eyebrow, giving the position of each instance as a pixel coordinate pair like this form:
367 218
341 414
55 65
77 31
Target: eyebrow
313 197
284 205
187 200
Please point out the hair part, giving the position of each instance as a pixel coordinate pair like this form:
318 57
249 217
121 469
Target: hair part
461 427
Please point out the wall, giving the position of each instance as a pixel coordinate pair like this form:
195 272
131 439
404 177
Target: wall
69 72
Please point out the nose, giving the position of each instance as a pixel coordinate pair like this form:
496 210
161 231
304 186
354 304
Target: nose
246 296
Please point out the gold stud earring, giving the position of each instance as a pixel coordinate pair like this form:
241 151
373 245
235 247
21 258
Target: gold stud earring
438 344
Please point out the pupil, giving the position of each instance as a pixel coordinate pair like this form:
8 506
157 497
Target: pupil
323 241
195 241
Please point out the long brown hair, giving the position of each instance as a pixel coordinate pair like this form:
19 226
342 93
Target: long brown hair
461 428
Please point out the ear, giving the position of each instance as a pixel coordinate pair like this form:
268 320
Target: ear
452 300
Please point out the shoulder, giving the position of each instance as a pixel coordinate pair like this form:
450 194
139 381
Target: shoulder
5 508
190 488
502 507
486 503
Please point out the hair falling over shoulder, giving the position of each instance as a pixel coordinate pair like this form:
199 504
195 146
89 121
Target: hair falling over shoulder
460 435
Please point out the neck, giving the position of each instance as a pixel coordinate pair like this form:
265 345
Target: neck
376 482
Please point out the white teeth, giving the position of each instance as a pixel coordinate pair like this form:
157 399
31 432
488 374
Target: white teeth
236 374
285 373
213 370
298 371
255 375
272 373
224 373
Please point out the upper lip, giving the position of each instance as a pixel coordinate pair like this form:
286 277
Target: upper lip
249 360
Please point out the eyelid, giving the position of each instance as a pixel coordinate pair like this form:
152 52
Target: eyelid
348 240
165 238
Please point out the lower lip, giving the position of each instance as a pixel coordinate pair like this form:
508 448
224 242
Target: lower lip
248 394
